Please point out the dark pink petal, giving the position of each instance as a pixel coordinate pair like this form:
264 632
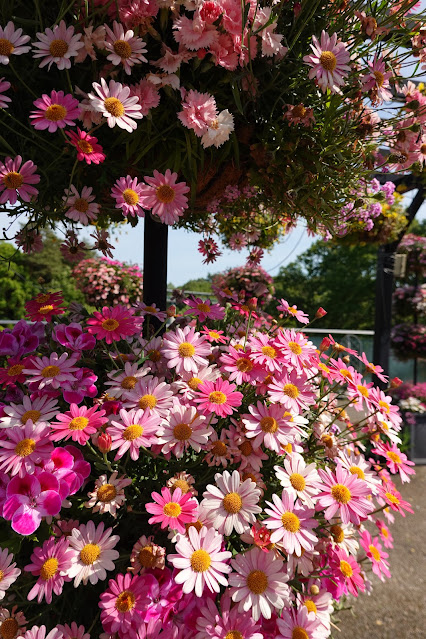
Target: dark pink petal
26 520
12 504
49 502
27 485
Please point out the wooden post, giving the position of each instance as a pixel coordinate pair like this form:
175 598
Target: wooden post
155 264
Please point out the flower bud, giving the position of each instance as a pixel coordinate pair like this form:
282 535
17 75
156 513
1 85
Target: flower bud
395 382
171 311
325 344
252 303
314 590
320 313
104 443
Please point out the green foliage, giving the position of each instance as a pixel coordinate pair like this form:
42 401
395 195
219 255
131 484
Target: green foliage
339 278
201 284
15 284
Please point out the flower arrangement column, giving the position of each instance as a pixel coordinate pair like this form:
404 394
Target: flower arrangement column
155 262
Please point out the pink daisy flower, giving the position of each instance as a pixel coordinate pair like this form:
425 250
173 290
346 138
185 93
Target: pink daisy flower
385 533
127 193
198 112
57 45
55 111
17 181
4 99
151 309
87 146
125 603
377 556
73 631
13 620
292 391
121 382
108 494
231 623
9 573
39 409
231 504
396 461
114 324
265 353
44 306
201 561
204 309
114 102
377 81
345 493
146 554
12 42
392 497
285 307
329 62
259 583
214 335
125 48
185 350
50 564
30 498
52 371
172 510
295 349
300 480
41 633
299 623
183 428
164 196
81 206
92 553
271 426
137 428
347 571
383 402
24 448
218 397
240 366
78 424
153 394
292 524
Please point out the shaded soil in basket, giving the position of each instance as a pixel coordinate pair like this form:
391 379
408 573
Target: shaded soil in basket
396 609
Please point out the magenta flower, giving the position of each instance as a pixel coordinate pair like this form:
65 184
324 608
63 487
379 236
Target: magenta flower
83 386
285 307
87 146
114 324
346 572
218 397
345 493
204 309
55 111
165 196
16 180
79 423
396 461
377 556
29 499
172 510
73 337
50 563
127 193
377 81
292 391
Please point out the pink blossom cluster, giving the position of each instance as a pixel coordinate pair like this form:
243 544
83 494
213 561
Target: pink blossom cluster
240 284
106 281
213 468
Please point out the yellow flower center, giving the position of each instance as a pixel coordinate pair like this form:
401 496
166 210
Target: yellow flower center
15 370
327 440
394 457
341 493
257 581
154 355
9 627
182 432
380 78
13 180
384 532
125 601
89 554
295 348
346 568
310 605
150 309
132 432
186 349
219 448
81 205
355 470
34 415
269 425
298 111
374 552
110 325
214 334
106 493
146 557
297 481
25 447
363 390
147 401
6 47
291 391
130 197
423 149
58 48
244 364
165 194
290 521
183 485
328 60
384 405
55 112
85 146
269 351
172 509
217 397
392 498
128 382
246 448
194 524
50 371
49 568
78 423
44 310
203 308
114 107
299 633
200 560
249 476
345 373
194 383
123 49
232 503
337 534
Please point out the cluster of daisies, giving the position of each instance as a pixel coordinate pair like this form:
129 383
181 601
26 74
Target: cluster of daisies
209 474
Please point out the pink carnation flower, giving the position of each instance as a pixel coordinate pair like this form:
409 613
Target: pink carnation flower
113 324
50 563
198 112
127 193
57 45
78 424
147 94
55 111
329 62
17 181
218 397
9 573
165 196
172 510
185 350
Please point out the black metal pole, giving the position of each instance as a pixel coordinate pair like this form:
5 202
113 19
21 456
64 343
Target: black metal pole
155 263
